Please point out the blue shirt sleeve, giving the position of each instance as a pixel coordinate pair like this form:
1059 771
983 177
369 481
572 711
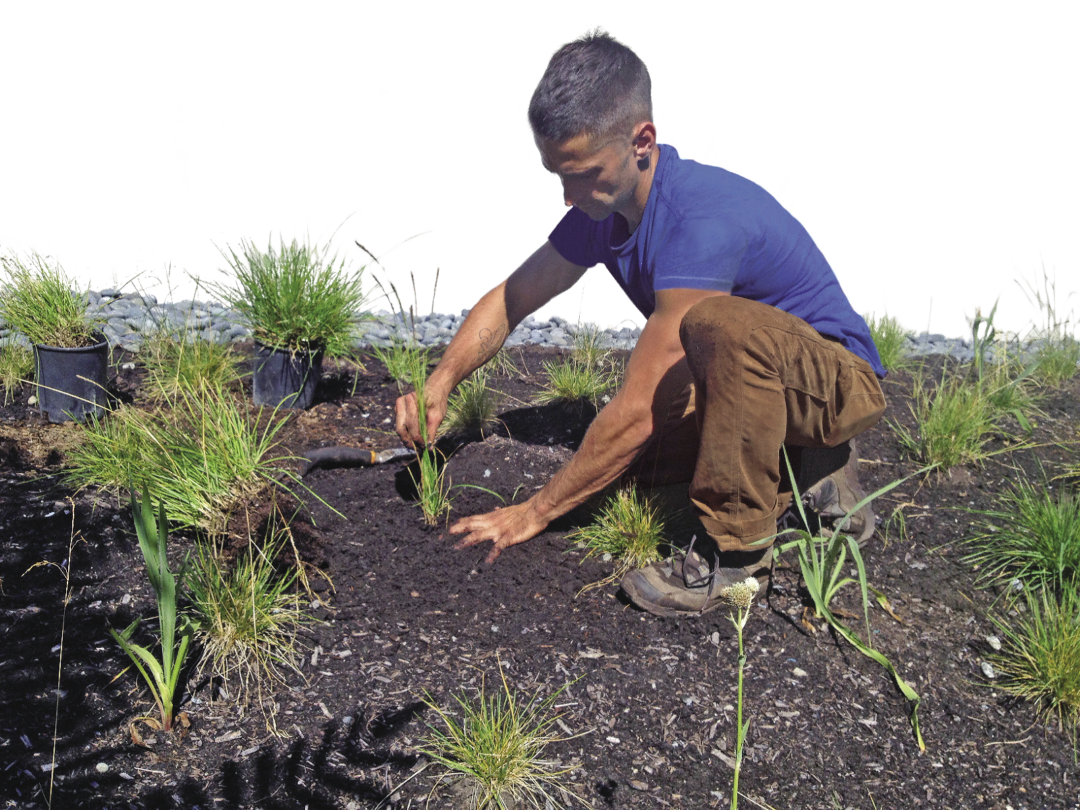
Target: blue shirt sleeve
580 240
700 254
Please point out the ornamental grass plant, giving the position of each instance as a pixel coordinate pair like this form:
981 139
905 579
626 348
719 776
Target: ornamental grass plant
1056 360
472 406
1040 658
626 531
245 615
295 297
203 453
954 423
174 366
889 337
1034 536
37 300
496 744
16 368
586 376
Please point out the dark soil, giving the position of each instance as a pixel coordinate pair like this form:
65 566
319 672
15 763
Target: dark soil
649 709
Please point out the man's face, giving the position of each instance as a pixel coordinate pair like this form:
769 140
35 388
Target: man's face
599 177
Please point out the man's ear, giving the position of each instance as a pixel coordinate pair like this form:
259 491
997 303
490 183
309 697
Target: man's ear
645 142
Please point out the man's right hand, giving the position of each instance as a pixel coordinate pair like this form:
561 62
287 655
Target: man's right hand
408 418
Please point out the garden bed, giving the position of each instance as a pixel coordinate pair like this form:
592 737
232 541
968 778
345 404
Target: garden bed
649 709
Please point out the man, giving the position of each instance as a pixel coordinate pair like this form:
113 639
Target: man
749 343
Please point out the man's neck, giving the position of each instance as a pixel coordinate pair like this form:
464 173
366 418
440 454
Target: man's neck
636 210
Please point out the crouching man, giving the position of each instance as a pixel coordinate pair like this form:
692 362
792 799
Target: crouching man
749 345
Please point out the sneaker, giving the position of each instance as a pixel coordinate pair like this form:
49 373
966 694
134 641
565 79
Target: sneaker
696 582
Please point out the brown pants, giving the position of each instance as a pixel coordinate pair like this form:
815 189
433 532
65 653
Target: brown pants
761 379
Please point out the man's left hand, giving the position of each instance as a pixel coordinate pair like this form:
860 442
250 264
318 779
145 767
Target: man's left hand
505 527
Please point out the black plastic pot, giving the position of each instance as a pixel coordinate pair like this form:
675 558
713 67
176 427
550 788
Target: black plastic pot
71 382
285 379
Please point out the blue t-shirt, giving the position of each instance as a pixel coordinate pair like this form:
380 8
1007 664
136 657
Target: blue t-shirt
705 228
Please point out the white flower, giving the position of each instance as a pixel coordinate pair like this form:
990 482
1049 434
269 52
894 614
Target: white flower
741 594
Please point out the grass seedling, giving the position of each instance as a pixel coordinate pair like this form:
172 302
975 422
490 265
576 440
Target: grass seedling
246 618
741 597
585 377
16 368
1035 536
37 301
1040 660
403 359
889 337
472 406
65 571
432 483
627 530
162 675
498 746
821 562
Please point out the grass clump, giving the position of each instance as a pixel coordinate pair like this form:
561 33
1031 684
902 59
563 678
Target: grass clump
889 337
202 455
586 376
1056 360
497 746
37 300
1034 536
627 531
245 617
174 366
954 423
472 406
16 367
1040 658
295 297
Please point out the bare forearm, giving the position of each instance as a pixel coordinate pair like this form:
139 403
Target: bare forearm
477 341
612 442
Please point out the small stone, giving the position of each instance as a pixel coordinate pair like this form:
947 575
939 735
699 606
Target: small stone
638 785
32 401
799 673
994 642
613 740
102 767
988 670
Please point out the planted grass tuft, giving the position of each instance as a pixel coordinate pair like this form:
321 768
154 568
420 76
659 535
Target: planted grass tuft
889 337
626 531
1040 660
1034 536
202 455
174 366
496 746
583 378
246 617
405 360
954 423
16 368
472 406
1056 360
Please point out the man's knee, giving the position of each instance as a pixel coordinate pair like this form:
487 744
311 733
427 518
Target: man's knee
719 323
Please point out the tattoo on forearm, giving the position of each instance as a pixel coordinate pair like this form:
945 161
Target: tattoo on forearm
490 342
